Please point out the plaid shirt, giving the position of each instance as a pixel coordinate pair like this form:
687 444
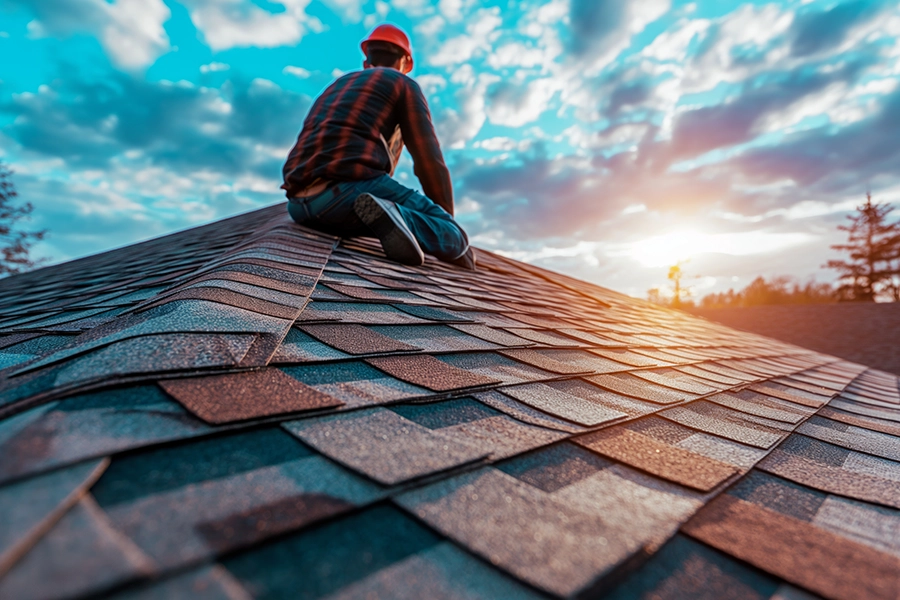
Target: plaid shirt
356 129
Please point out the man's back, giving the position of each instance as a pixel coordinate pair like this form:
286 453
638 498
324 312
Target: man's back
348 131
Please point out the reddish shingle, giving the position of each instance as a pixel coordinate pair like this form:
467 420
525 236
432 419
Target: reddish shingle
234 397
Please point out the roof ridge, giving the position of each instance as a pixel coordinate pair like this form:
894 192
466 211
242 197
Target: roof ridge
224 304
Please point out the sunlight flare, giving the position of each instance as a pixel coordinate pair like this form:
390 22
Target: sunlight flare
677 246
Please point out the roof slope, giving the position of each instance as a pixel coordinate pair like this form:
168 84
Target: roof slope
863 332
255 409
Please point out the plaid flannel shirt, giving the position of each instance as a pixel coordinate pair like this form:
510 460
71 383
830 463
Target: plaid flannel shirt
356 130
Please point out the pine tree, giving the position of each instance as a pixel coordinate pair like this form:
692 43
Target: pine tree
874 248
15 243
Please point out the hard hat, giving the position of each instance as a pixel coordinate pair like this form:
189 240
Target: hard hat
392 34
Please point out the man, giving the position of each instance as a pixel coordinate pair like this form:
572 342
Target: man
338 175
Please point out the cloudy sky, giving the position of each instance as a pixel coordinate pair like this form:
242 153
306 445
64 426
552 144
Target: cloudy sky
601 138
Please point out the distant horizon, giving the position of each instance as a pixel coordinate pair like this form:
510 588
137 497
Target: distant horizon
603 140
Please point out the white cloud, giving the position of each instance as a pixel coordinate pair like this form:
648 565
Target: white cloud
455 128
296 72
238 23
134 35
672 45
500 144
517 54
414 8
515 106
748 27
131 31
453 10
431 27
431 83
214 67
350 11
478 38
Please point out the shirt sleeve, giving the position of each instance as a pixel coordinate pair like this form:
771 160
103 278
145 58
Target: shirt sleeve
418 135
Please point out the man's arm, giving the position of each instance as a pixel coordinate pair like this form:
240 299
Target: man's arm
419 137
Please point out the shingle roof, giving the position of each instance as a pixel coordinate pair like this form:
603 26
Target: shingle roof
255 409
863 332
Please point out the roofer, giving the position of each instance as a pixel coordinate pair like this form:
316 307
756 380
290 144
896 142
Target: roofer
338 175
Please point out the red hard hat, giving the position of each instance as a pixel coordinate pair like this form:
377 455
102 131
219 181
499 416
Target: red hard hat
392 34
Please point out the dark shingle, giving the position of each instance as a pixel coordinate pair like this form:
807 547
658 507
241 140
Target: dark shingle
324 560
434 338
698 572
49 497
214 582
366 314
225 493
383 445
91 425
355 383
854 438
81 555
560 542
430 313
298 347
837 470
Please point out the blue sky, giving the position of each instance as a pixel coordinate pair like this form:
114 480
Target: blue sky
601 138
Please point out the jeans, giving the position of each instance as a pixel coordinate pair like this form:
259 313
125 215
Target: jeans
332 212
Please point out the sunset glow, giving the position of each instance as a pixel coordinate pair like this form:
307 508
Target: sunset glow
678 246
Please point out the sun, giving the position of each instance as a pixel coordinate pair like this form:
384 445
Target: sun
677 246
669 248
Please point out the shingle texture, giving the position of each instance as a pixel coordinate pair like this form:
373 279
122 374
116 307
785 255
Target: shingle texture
253 409
863 332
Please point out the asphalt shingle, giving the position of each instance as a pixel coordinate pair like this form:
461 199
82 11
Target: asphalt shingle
81 555
795 551
383 445
429 372
557 433
219 399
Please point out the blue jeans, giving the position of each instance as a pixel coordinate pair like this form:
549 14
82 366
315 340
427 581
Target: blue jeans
332 212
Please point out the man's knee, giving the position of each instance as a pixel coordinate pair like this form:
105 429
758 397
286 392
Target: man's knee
297 212
454 242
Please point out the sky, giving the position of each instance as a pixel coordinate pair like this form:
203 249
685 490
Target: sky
605 139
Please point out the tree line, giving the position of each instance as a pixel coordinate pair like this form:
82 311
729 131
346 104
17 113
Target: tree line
15 242
869 271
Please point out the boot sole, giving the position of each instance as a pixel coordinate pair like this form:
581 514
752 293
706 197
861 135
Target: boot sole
397 241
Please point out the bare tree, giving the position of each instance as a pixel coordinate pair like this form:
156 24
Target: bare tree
680 294
15 243
874 248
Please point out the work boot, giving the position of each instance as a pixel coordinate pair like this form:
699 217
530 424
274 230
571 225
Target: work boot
384 220
466 261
